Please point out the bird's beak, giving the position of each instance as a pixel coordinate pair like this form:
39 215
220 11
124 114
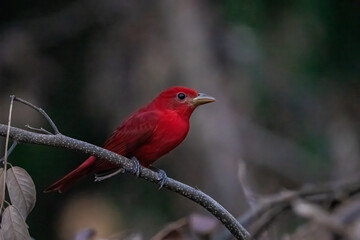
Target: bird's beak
202 98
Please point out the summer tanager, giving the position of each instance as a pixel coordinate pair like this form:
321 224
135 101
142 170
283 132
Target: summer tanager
145 136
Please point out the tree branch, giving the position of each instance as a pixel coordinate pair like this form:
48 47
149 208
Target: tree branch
316 193
42 112
191 193
269 208
9 151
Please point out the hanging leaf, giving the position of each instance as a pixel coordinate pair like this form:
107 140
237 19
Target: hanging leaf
2 187
21 190
13 226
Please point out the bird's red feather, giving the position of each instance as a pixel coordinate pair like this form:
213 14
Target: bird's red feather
148 134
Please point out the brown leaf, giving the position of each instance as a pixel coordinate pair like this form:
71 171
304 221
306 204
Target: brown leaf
13 226
1 235
21 190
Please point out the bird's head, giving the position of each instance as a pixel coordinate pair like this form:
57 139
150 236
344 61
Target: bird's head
182 100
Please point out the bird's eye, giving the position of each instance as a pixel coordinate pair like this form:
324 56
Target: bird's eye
181 96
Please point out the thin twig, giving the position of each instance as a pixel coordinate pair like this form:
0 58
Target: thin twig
321 216
262 215
265 205
59 140
316 193
52 124
40 130
264 222
14 144
6 152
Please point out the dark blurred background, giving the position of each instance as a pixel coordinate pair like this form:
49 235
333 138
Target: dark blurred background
285 75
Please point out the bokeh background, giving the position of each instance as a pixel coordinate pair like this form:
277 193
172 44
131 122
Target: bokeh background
285 75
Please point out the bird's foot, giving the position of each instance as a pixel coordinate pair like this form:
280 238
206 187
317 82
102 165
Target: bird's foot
163 178
137 166
105 175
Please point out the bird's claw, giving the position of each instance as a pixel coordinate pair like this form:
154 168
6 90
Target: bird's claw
137 166
163 175
163 178
105 175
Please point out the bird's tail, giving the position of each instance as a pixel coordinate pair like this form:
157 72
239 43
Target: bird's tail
68 180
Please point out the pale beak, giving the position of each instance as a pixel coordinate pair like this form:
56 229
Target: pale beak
202 98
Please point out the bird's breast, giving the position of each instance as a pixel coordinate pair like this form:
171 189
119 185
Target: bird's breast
169 133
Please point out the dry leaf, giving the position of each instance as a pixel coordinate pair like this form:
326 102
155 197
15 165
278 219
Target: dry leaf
13 225
1 235
21 190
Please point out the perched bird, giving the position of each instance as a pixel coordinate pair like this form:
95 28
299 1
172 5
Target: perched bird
145 136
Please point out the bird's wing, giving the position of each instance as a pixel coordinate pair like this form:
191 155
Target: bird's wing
129 136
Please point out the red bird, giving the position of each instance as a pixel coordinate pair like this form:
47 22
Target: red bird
145 136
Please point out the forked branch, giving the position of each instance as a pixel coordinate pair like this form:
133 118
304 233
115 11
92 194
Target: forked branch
59 140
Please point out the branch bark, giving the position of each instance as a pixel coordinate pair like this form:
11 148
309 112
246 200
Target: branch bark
62 141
